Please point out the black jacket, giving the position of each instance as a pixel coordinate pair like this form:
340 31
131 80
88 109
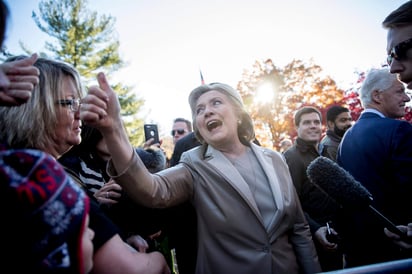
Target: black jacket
318 206
330 144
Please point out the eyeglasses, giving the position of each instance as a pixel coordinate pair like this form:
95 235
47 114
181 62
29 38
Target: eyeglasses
73 104
178 131
399 52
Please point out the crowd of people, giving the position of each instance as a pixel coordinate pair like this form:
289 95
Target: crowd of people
80 198
320 210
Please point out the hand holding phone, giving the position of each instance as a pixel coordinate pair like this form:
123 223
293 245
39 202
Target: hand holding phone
332 238
151 131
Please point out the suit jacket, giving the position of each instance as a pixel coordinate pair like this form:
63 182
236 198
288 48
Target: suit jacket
187 142
378 153
231 232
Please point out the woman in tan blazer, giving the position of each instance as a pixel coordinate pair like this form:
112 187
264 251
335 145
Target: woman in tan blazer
249 216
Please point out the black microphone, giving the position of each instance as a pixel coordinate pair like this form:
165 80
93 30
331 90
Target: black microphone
340 185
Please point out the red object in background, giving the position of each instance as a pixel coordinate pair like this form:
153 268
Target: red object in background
202 81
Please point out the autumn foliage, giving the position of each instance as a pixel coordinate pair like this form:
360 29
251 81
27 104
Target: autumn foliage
296 85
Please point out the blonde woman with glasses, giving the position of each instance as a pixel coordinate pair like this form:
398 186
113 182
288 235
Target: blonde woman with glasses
50 121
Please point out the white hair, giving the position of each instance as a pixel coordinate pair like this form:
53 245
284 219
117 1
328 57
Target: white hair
379 79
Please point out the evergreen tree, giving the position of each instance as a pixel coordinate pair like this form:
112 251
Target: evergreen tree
89 43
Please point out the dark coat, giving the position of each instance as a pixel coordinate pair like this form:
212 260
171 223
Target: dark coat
330 144
319 208
187 142
378 153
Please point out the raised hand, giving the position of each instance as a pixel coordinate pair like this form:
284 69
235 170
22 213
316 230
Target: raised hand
17 81
100 107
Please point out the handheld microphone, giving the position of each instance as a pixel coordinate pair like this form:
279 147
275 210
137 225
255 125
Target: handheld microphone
340 185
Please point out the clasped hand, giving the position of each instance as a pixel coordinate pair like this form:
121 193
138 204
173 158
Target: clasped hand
109 194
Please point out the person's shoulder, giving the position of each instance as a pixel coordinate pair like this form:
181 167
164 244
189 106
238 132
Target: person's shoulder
5 151
404 123
326 141
404 128
267 151
394 124
190 135
188 141
263 149
276 157
194 154
290 151
196 150
324 138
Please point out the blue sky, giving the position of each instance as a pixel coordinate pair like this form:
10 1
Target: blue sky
166 42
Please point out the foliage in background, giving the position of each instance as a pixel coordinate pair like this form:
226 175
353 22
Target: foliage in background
298 84
287 89
88 42
352 97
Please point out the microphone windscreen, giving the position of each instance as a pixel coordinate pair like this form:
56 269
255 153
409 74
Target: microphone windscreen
337 183
344 189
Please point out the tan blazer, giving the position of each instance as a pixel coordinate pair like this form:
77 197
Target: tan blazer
232 237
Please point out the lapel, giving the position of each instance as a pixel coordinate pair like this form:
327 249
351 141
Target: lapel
232 176
266 162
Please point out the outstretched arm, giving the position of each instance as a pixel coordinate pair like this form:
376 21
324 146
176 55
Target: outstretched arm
116 256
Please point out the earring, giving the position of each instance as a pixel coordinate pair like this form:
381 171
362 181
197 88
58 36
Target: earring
239 122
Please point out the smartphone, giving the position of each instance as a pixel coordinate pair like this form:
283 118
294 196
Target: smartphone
151 131
332 238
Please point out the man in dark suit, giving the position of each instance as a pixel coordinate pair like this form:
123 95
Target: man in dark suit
377 151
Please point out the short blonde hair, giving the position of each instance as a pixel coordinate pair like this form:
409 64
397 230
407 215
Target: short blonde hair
245 129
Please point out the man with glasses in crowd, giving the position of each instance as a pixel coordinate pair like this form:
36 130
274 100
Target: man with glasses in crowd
181 127
399 47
